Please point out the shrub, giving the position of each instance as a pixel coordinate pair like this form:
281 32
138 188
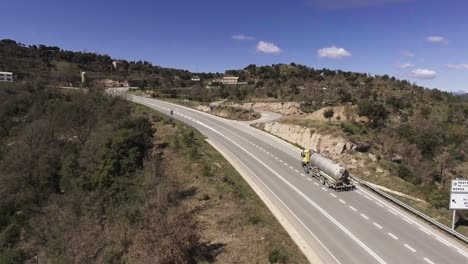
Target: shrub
352 128
12 256
277 256
439 198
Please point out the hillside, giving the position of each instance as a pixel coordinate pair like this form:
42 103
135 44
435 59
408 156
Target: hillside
419 134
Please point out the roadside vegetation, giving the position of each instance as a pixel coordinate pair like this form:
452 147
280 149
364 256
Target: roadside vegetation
86 178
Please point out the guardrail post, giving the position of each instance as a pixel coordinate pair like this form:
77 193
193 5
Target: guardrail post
453 219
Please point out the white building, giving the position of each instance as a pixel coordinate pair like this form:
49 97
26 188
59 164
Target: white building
6 77
229 80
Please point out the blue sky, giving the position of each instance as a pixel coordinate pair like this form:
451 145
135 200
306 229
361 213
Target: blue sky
424 41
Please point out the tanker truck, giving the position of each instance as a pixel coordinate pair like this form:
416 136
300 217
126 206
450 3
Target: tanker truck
328 172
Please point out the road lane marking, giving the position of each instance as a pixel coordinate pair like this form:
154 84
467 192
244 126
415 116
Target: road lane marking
316 183
305 197
443 242
424 230
428 261
280 160
302 174
377 225
296 171
343 202
332 194
352 208
408 221
393 212
379 204
365 216
276 157
367 197
410 248
393 236
309 179
324 189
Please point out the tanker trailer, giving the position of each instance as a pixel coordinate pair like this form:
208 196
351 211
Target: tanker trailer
330 173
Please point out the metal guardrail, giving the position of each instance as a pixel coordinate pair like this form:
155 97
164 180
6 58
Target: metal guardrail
412 210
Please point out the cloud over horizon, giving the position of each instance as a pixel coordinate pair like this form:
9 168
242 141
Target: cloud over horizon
405 65
423 74
457 66
268 47
437 39
241 37
333 52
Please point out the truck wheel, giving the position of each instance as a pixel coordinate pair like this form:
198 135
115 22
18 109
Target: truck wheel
306 169
322 180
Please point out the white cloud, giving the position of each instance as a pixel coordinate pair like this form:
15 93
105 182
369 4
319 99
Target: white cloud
268 47
457 66
405 65
242 37
436 39
424 74
408 54
333 52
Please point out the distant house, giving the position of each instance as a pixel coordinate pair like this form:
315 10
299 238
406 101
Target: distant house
195 79
116 64
229 80
6 77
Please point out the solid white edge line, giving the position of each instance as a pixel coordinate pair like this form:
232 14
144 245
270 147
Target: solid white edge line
331 218
314 258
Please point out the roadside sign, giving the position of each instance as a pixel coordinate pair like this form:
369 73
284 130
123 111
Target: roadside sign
459 201
459 186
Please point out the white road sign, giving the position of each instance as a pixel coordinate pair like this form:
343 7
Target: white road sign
459 201
459 186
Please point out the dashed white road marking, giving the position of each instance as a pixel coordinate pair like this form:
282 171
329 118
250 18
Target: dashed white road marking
343 202
393 236
428 261
332 194
365 216
377 225
410 248
316 183
281 160
352 208
296 171
309 179
302 174
324 189
276 157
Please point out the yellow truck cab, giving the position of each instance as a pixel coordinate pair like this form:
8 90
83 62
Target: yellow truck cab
305 156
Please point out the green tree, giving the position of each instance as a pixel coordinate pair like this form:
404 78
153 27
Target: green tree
328 114
374 111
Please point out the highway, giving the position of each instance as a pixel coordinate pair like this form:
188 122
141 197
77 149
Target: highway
329 227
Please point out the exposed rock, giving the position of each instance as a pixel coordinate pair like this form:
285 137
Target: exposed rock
397 158
372 157
378 170
362 146
340 147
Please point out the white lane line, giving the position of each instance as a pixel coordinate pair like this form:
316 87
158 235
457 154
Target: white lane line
316 183
296 171
359 192
410 248
305 197
276 157
377 225
285 163
365 216
379 204
428 261
343 202
393 212
408 221
332 194
419 225
443 242
291 167
324 189
280 160
309 179
302 174
424 230
267 152
393 236
367 197
352 208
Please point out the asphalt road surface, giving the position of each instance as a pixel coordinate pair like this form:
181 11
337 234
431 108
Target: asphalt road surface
334 227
